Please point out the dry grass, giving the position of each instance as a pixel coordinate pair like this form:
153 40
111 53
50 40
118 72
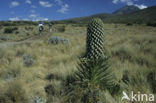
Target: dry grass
132 50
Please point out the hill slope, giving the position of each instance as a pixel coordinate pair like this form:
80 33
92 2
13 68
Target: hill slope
87 18
126 9
141 16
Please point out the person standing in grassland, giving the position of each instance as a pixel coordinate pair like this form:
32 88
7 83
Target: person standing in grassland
41 27
50 27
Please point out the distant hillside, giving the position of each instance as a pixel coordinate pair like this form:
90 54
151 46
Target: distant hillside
87 18
139 16
125 10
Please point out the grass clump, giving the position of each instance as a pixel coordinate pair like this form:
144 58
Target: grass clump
50 90
133 55
61 28
12 71
58 40
15 93
28 60
151 77
10 29
29 28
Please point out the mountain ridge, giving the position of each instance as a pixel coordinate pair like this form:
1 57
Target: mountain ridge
139 16
126 9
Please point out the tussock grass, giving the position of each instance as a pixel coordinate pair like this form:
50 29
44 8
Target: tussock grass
131 48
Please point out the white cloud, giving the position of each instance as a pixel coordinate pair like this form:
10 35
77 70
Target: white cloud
37 17
33 6
45 19
130 2
14 4
59 2
33 15
26 19
45 4
41 19
64 8
115 1
28 2
14 19
32 11
141 6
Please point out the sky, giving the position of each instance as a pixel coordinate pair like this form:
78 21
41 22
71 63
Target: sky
62 9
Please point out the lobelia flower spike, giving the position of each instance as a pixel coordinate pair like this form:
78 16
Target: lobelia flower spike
95 39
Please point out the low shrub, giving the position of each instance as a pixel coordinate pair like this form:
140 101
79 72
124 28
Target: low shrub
17 32
50 90
53 76
58 40
153 24
28 60
3 38
12 71
129 24
90 79
10 29
1 27
5 23
29 28
61 29
37 99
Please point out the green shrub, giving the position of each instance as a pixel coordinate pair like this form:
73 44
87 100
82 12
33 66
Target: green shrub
3 38
93 76
6 23
50 90
96 72
17 32
129 24
29 28
153 24
28 60
10 29
1 27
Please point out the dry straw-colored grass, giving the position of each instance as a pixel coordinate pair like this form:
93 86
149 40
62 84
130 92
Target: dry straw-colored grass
132 50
